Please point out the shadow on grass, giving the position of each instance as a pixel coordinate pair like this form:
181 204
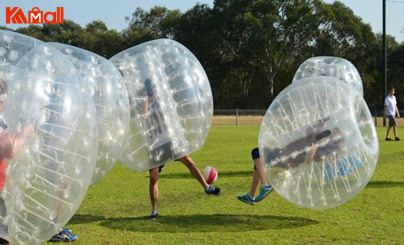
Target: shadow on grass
197 223
384 184
221 174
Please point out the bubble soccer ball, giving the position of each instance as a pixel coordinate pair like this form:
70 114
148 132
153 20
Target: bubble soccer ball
330 66
171 103
210 174
319 143
108 91
51 123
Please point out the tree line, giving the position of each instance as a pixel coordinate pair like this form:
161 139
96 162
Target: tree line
250 49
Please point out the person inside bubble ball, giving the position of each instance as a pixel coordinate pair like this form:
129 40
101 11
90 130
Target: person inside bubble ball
258 176
162 149
391 111
318 143
310 148
52 147
10 144
155 126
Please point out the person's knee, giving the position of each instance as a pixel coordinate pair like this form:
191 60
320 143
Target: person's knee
187 161
154 176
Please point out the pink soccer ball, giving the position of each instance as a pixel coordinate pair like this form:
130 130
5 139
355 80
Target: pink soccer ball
210 174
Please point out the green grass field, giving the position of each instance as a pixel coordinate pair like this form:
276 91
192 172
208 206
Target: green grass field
115 210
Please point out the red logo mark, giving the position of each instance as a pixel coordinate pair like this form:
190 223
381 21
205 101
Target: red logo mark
15 15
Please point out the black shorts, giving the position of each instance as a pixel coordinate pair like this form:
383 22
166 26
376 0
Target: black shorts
392 121
160 168
255 153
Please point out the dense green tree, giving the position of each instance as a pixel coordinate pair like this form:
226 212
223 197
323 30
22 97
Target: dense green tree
97 38
344 35
145 26
199 30
395 74
250 49
257 38
68 32
34 31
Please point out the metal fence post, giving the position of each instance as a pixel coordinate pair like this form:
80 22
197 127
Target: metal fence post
236 116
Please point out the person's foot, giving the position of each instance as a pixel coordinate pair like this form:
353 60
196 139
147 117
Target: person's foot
210 190
246 198
62 237
67 231
264 191
389 139
398 139
154 215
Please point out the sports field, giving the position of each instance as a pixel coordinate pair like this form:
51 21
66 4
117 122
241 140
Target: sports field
116 210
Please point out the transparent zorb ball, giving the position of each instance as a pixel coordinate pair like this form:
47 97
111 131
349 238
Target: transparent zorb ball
171 103
51 122
330 66
319 143
108 91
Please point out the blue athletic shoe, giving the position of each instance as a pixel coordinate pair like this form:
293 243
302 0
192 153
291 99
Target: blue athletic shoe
264 191
62 237
67 231
246 198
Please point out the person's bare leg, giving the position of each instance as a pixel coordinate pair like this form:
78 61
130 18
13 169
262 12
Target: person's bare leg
395 131
254 185
153 187
265 186
388 131
261 171
194 170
